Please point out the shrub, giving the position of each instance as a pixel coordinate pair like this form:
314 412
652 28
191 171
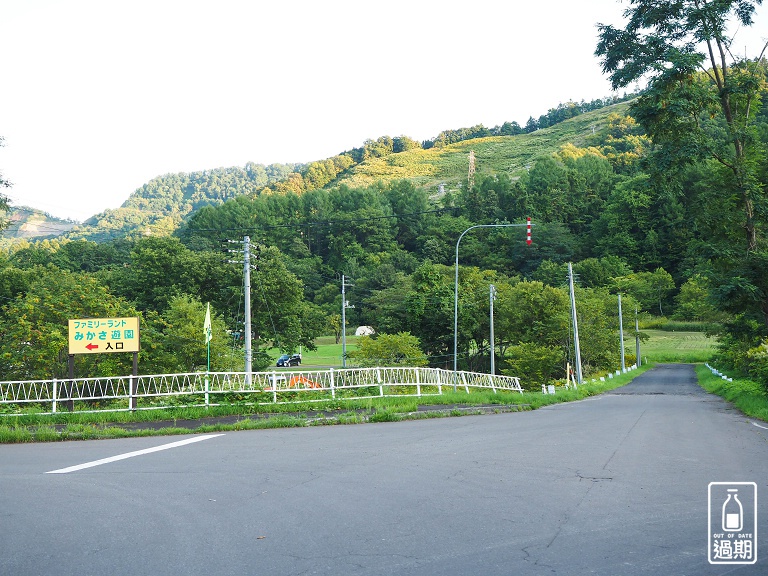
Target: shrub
533 364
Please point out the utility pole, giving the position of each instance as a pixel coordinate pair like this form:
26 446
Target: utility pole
247 296
493 345
344 305
575 324
637 340
621 338
247 290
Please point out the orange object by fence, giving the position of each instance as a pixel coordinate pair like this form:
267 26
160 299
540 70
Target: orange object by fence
302 380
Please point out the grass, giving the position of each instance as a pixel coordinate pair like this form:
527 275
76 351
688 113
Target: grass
748 396
327 355
684 346
85 426
663 346
494 155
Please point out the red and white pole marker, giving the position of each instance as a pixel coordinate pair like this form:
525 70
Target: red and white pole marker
528 228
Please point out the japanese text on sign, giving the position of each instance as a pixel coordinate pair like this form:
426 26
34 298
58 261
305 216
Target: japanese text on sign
97 335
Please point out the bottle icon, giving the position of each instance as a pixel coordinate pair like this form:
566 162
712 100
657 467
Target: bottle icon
733 513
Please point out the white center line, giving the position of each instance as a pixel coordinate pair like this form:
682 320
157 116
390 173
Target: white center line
132 454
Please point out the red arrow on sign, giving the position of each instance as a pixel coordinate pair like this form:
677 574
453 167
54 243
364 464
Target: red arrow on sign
91 346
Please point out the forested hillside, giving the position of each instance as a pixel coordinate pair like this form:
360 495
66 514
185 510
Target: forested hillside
661 199
160 206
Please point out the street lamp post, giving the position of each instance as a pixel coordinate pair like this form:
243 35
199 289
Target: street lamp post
456 287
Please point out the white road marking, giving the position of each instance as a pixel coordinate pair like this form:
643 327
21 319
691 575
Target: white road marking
758 425
132 454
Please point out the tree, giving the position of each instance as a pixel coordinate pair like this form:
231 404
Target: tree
429 308
159 270
534 364
385 308
599 328
404 143
389 350
693 302
650 289
280 316
407 202
180 343
598 272
548 187
532 312
333 322
33 332
701 101
551 273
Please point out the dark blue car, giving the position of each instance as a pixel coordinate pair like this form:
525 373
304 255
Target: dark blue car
292 360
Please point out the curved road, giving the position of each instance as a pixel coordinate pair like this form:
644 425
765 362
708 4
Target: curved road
613 485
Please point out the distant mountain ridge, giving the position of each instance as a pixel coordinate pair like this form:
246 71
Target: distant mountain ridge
29 223
161 205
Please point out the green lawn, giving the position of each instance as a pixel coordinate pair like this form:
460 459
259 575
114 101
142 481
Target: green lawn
662 346
327 355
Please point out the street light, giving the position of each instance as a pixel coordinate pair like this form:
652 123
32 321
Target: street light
456 286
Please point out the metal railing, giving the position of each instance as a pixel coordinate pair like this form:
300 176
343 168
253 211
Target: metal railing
215 388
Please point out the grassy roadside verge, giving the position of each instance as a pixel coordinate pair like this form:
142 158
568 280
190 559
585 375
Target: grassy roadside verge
748 396
60 427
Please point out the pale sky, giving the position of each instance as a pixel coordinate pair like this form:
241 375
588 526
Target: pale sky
99 96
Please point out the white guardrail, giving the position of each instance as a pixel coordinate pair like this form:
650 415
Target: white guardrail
201 388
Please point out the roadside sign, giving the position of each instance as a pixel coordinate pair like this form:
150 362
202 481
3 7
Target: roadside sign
99 335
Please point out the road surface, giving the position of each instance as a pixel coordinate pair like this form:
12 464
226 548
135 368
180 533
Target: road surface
613 485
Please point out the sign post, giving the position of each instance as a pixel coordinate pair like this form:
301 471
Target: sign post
104 335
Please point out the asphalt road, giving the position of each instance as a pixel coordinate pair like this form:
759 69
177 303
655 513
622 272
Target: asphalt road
613 485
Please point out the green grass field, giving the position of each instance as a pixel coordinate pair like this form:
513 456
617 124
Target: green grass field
665 346
662 346
327 355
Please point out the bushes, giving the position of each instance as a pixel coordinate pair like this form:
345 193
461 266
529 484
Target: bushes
533 364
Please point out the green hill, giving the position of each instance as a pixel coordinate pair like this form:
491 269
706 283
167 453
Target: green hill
493 155
161 205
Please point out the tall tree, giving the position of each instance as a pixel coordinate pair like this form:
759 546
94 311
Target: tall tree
703 104
701 101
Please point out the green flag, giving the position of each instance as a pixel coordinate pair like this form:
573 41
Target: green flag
207 325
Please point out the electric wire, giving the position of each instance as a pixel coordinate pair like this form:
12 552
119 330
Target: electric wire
269 310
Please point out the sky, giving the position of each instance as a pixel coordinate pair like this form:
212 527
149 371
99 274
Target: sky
97 98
